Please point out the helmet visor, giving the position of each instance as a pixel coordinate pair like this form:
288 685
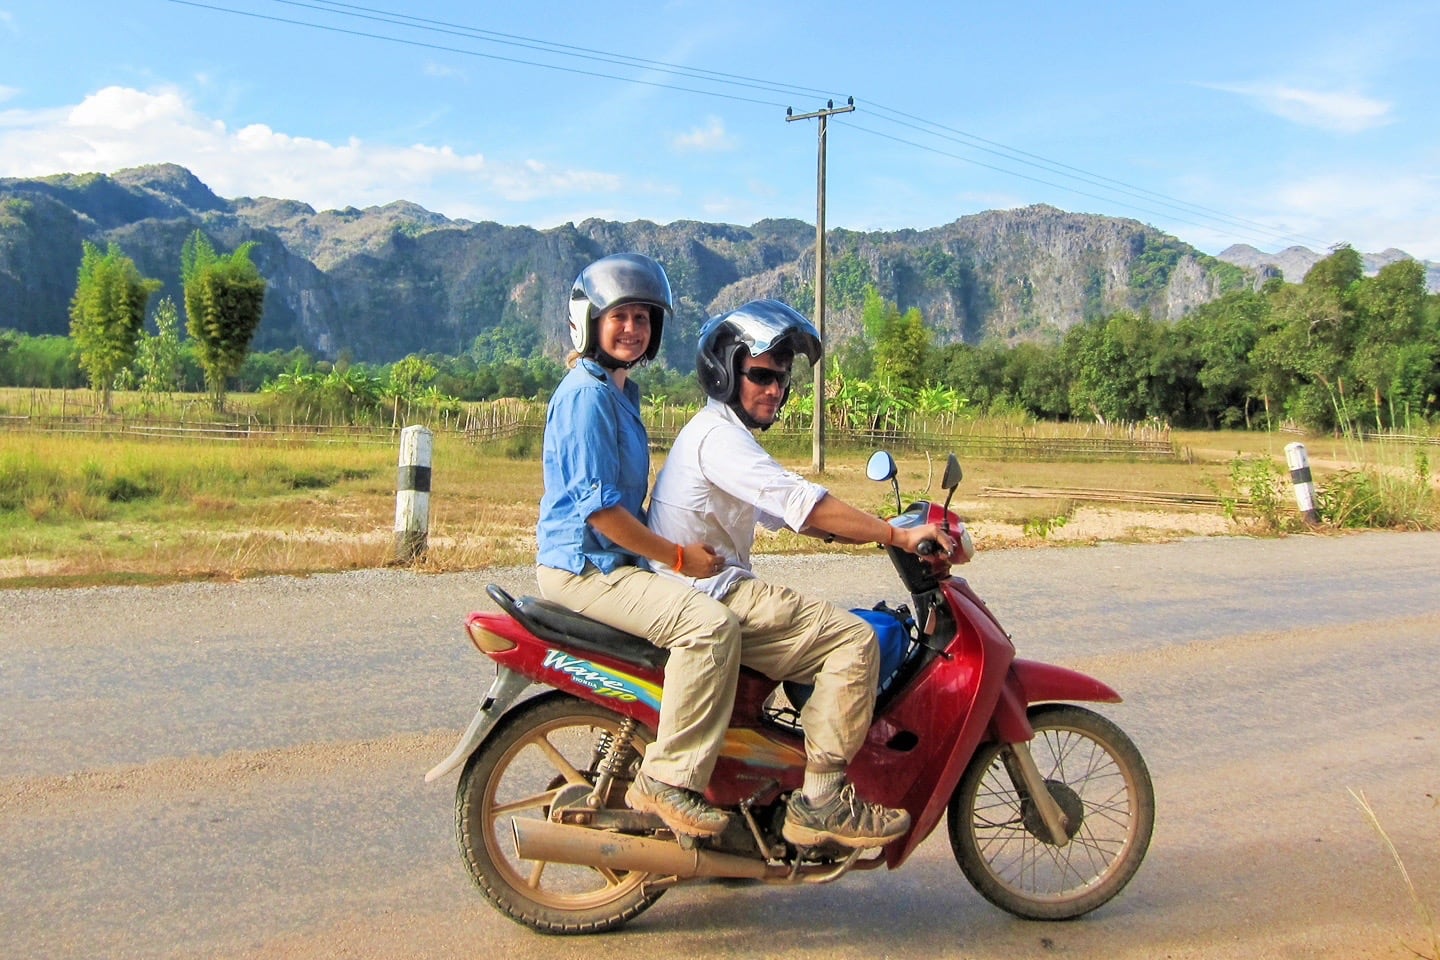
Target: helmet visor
763 324
625 278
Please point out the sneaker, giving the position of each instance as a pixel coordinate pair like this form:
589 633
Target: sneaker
844 819
684 811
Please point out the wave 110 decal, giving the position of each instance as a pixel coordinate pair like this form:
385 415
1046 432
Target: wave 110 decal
603 680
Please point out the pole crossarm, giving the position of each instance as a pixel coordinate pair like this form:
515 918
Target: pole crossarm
830 109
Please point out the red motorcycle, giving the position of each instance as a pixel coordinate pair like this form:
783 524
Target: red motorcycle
1049 805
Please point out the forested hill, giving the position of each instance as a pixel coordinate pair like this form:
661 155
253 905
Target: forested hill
386 281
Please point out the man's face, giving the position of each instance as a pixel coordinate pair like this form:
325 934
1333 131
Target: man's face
762 400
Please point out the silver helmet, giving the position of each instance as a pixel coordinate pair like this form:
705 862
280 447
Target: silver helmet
611 281
759 326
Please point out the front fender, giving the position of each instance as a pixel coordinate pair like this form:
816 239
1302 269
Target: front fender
1031 681
1045 681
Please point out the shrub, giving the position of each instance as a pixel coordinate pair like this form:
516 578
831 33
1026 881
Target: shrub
1374 498
1255 483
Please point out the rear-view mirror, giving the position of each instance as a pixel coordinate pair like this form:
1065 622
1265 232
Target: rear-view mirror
951 478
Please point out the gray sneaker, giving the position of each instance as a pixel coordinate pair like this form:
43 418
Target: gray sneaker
844 819
684 811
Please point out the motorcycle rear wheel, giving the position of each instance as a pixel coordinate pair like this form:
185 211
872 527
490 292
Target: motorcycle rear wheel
1100 781
542 746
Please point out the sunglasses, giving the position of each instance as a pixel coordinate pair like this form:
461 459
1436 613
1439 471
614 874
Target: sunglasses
765 377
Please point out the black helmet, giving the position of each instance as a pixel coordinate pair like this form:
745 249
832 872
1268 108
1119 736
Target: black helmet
611 281
760 326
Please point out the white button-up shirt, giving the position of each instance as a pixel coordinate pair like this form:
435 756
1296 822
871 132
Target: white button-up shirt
716 485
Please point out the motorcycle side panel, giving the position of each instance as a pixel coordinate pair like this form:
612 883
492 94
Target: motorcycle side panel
626 688
941 718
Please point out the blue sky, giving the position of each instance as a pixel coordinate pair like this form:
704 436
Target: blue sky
1264 123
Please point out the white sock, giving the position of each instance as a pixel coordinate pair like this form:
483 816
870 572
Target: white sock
820 786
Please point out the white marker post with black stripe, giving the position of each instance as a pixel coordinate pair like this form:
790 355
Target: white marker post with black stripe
1299 462
412 496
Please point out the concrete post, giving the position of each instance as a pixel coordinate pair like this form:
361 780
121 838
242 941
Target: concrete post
412 496
1299 462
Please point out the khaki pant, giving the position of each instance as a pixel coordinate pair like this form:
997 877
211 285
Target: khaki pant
769 628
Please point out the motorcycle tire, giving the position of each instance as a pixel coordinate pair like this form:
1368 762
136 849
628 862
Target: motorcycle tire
1100 781
542 746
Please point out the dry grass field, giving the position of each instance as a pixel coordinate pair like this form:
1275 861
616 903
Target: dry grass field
87 508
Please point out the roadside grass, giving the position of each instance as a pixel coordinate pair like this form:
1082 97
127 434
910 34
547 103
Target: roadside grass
81 508
1422 910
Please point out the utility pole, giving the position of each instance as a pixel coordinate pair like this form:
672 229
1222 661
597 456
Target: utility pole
817 460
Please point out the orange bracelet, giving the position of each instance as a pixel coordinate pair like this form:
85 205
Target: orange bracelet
889 535
679 557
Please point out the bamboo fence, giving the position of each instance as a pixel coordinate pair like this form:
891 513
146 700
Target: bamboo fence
504 420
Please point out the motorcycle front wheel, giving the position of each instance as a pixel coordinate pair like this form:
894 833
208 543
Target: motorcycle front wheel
1098 778
545 745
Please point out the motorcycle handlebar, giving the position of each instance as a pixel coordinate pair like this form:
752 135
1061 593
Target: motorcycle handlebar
927 548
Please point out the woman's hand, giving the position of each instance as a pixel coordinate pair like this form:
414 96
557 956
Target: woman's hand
697 560
700 561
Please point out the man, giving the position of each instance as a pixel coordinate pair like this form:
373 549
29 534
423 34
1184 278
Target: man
716 485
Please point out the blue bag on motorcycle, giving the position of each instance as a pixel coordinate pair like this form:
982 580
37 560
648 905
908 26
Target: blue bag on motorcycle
891 630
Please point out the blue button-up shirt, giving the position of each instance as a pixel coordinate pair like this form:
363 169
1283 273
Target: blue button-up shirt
596 455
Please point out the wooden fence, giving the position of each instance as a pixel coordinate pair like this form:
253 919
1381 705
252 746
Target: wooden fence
505 420
479 424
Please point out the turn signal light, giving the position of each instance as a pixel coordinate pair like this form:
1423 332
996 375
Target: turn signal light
487 641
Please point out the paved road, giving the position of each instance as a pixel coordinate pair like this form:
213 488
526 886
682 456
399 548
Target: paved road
235 770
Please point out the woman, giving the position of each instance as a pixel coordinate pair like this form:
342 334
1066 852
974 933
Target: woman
594 544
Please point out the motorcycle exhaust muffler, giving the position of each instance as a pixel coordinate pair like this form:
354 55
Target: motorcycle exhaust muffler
562 843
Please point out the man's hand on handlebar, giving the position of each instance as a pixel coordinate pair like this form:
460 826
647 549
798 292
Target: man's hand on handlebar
911 539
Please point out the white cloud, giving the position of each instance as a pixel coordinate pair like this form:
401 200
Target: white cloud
1337 111
120 127
7 93
443 71
711 138
1368 212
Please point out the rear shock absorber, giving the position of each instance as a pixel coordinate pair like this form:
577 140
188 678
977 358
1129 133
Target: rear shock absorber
615 753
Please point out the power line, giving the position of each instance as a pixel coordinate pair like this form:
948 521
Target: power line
720 79
1011 153
1059 186
334 6
471 53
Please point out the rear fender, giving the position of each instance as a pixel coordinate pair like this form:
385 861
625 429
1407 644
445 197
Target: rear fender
507 686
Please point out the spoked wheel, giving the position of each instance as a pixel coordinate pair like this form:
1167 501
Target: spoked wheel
1103 789
543 747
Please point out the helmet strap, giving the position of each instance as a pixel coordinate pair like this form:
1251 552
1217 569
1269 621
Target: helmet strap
611 363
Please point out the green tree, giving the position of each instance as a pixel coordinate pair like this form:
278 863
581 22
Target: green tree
224 301
1391 353
158 357
1224 333
409 376
901 343
1311 337
1034 379
45 361
1109 360
107 315
407 379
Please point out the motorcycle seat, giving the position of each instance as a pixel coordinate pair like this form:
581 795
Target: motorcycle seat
550 621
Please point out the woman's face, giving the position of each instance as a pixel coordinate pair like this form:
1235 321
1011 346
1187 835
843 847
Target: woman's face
624 331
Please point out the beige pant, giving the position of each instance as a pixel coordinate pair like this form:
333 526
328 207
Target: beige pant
767 627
